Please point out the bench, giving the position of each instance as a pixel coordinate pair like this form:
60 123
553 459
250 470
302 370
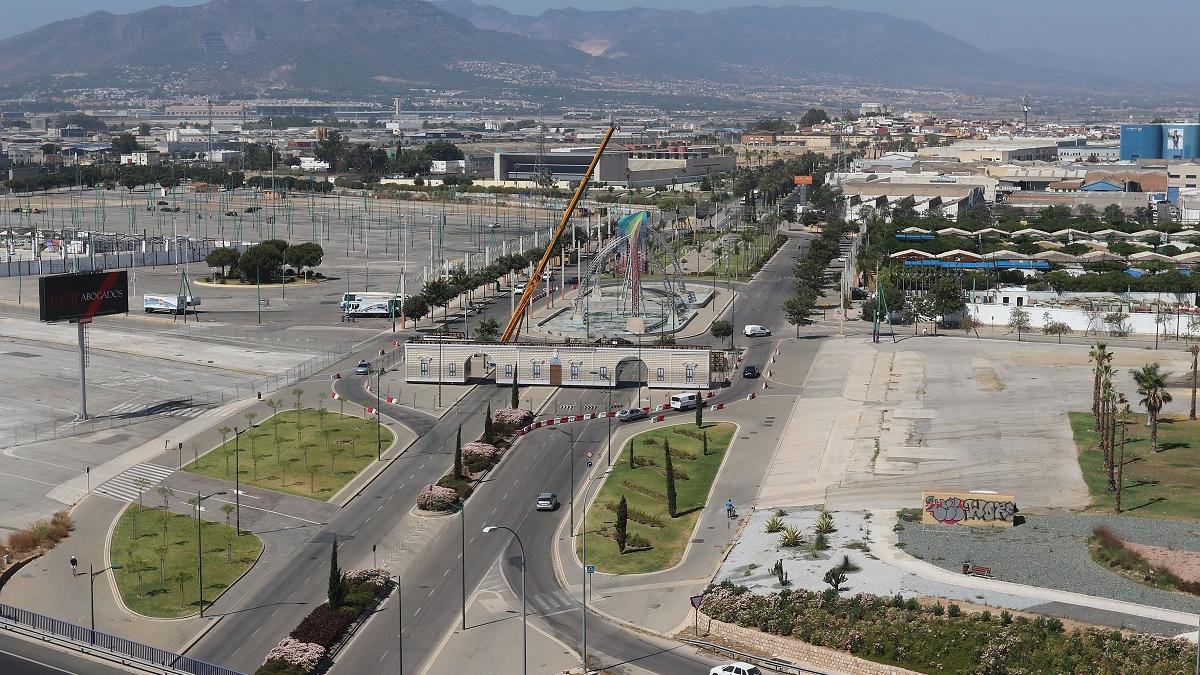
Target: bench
977 570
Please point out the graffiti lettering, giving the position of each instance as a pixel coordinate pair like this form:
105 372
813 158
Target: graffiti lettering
953 510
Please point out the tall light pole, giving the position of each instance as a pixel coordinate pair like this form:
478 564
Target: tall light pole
200 548
378 421
400 626
524 615
608 383
92 574
237 485
571 468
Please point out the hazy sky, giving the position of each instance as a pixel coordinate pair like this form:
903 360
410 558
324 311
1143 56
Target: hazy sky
1149 38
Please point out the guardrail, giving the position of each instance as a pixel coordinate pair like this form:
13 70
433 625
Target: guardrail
774 664
103 645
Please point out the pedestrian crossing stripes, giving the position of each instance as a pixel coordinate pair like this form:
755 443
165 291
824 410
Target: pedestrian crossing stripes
132 482
554 600
136 409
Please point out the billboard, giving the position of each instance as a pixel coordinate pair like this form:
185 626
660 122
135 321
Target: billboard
69 297
802 180
1174 138
985 509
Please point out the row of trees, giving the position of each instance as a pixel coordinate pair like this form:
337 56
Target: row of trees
129 176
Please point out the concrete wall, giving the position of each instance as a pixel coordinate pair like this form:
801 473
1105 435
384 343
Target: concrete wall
1175 324
458 362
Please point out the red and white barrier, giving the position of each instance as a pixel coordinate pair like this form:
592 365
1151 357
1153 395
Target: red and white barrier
370 410
335 395
751 396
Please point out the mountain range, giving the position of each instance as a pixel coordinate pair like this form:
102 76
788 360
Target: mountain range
349 47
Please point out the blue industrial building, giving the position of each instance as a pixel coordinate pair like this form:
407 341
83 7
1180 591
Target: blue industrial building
1181 141
1141 141
1160 141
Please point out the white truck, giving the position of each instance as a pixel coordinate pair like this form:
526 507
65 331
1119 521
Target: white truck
173 304
386 306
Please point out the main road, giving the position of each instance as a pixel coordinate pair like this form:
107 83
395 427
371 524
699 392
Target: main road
432 584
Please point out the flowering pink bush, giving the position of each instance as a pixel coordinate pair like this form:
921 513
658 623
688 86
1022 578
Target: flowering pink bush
512 417
377 578
303 655
479 450
437 498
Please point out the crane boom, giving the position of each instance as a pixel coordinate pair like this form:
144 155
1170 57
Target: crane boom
514 322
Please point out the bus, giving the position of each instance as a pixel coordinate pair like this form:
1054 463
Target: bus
359 296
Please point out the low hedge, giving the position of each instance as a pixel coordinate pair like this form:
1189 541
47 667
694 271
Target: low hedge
903 633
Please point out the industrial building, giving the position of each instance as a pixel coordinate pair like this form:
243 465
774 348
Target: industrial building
1178 141
637 169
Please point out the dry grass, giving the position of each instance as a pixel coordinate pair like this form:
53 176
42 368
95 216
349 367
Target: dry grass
43 534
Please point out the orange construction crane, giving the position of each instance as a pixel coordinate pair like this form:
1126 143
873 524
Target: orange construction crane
514 322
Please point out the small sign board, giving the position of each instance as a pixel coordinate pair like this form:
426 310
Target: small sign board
696 600
591 569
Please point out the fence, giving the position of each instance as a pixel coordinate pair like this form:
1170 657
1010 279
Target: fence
103 644
174 407
106 261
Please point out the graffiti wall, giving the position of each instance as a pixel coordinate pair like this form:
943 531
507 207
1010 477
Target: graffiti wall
986 509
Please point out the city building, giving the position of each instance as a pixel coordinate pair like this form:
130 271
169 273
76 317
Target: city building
624 168
951 201
147 158
1182 176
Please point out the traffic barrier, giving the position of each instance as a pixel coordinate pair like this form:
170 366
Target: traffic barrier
764 385
335 395
337 376
718 406
750 396
660 418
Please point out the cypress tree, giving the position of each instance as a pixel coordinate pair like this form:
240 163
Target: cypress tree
705 442
670 470
622 525
458 471
337 581
489 434
699 412
516 395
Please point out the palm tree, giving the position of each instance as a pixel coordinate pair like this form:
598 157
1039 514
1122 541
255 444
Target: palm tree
1125 412
1099 356
1194 350
1152 385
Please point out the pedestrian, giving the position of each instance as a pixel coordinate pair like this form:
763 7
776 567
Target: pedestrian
729 508
74 564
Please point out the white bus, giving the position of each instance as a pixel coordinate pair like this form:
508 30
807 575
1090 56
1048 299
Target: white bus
360 296
384 307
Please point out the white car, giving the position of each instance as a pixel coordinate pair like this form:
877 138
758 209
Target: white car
738 668
755 330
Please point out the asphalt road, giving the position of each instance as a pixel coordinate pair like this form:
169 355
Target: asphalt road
432 591
24 657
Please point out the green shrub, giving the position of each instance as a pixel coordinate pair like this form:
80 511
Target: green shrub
637 542
773 525
820 543
937 609
848 565
954 610
790 537
825 523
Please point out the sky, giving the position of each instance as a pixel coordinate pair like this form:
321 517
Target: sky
1107 33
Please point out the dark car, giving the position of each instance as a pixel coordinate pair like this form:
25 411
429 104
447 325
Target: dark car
750 372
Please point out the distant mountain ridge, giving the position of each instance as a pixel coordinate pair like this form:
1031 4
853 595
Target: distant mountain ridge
335 46
787 38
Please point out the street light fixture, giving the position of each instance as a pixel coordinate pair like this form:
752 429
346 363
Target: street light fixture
524 615
92 574
200 548
608 383
400 628
237 486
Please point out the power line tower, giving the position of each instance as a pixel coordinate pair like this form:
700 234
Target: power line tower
210 132
542 174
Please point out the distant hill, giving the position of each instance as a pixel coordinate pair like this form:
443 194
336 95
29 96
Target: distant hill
727 42
334 46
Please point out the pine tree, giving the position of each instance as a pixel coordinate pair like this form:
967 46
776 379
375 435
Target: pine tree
489 434
670 470
622 525
337 580
458 471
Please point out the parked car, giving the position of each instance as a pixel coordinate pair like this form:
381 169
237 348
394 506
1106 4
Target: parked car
738 668
363 368
750 372
632 415
755 330
547 501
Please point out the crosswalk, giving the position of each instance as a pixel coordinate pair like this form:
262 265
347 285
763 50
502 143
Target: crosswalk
137 409
132 482
547 603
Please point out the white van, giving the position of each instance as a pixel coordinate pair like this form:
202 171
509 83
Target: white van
684 401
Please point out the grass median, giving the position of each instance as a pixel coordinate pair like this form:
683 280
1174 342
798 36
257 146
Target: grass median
310 453
157 552
1164 484
656 540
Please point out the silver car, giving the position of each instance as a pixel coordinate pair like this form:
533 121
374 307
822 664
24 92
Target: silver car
632 415
547 501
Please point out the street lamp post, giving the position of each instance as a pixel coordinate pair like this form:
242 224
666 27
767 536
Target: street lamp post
400 626
571 468
200 548
237 486
378 421
524 615
92 574
608 413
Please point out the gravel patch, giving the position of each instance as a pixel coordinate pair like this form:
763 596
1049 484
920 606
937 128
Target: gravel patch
1051 552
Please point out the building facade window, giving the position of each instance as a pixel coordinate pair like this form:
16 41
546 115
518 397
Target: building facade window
574 371
662 374
508 371
453 368
689 373
604 372
424 366
537 370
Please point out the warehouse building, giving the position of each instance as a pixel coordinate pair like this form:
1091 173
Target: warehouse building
637 169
